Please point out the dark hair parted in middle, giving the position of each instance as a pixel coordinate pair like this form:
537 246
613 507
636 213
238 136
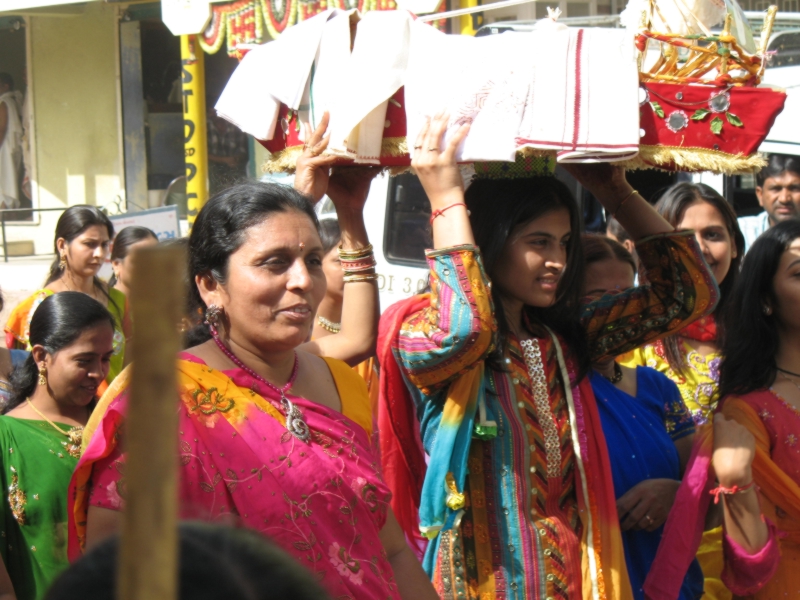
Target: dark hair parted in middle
597 248
498 207
221 226
126 238
748 353
58 321
672 206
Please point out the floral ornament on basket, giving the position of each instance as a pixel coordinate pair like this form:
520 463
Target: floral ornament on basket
718 104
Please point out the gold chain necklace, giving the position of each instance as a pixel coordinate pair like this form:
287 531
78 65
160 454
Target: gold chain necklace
74 435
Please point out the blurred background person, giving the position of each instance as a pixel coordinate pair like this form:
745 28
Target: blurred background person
127 240
778 193
10 142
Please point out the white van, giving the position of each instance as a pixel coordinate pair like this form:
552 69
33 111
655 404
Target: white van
397 215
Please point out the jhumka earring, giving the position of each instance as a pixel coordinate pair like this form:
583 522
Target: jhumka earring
42 375
213 314
62 263
768 310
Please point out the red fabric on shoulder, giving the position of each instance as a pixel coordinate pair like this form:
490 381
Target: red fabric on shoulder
402 455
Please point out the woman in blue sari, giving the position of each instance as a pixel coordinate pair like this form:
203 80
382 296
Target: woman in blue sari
647 427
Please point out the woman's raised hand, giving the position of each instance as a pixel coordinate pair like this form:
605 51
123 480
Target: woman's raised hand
312 173
734 450
348 187
606 181
436 168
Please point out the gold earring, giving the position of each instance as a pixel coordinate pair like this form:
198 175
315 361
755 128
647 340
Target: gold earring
42 375
62 263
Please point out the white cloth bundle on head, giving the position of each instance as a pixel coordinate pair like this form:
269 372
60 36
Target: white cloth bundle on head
274 73
569 90
376 69
590 77
481 81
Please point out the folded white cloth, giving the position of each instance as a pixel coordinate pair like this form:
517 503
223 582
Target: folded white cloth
274 73
574 91
583 99
375 71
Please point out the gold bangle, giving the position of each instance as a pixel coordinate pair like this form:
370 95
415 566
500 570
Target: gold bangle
624 200
368 277
356 254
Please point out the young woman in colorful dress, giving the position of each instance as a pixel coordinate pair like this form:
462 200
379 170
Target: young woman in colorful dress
82 238
9 359
691 358
518 499
40 437
760 394
648 430
273 435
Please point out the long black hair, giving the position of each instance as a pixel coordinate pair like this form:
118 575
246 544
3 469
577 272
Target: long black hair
221 225
126 238
751 336
497 207
58 321
72 223
672 206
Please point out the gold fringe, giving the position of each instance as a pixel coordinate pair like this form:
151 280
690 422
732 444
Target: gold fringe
285 161
695 159
649 157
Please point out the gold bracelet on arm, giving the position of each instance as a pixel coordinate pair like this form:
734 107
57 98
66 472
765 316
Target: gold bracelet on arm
624 200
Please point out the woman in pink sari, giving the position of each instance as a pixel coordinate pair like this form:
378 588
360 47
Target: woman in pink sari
272 435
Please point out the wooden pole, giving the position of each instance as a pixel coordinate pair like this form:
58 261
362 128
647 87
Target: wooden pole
148 563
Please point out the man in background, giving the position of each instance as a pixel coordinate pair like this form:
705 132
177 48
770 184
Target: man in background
778 193
10 142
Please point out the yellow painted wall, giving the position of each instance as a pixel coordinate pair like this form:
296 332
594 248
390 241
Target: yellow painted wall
74 83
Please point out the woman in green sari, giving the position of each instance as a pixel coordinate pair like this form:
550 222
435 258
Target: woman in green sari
53 393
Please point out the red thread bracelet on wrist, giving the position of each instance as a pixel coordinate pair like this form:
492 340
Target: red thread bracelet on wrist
439 212
723 491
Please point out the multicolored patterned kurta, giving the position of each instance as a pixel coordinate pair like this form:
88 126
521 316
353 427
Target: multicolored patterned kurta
521 529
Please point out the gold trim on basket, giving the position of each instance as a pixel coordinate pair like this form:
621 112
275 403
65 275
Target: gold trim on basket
695 159
285 161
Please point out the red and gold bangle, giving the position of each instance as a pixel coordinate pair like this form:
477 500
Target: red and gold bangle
736 489
439 212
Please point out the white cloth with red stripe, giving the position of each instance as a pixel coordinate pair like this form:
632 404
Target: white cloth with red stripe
574 91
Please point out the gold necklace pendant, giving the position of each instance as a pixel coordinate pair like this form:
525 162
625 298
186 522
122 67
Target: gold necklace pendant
74 435
73 447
